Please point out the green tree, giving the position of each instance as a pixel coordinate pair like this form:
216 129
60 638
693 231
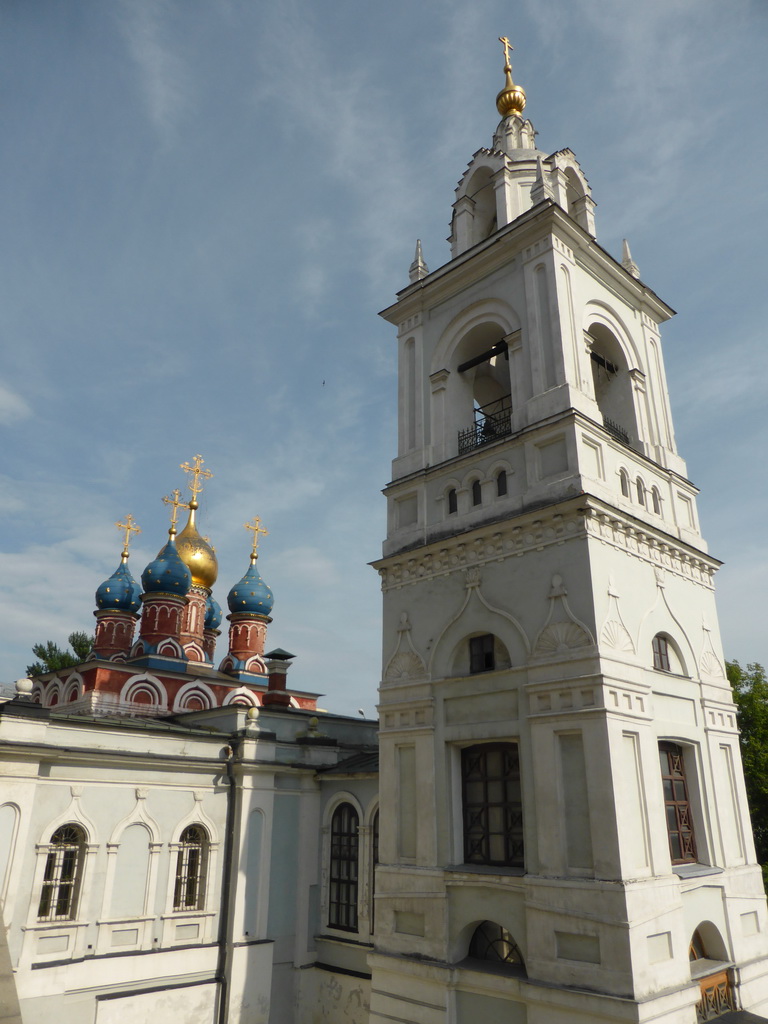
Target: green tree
750 692
52 657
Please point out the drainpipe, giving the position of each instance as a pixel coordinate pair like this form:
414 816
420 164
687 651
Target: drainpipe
226 885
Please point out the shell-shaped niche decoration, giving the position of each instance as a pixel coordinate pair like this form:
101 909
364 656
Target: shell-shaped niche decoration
560 637
616 636
562 631
406 662
710 666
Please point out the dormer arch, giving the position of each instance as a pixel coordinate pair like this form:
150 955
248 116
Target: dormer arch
571 188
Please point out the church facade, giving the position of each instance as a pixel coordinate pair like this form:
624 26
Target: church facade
552 823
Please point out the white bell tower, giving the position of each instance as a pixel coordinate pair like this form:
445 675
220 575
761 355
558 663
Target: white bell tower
565 835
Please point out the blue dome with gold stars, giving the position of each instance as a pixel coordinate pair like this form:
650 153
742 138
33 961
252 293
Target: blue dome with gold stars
251 594
167 574
212 613
120 592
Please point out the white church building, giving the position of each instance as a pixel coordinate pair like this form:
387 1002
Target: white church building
551 826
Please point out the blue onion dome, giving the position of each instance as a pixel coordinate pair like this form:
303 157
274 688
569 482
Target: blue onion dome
167 574
120 592
251 594
212 613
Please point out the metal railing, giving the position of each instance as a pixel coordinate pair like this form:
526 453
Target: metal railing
617 433
492 422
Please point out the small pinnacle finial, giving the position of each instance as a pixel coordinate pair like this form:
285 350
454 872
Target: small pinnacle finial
177 503
627 262
129 526
541 188
418 269
195 484
511 99
257 529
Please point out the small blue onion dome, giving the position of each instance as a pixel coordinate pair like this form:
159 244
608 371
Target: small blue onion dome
212 613
251 594
120 592
167 574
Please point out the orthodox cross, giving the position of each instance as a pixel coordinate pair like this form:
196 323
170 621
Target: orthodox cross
195 484
256 529
130 527
177 503
507 47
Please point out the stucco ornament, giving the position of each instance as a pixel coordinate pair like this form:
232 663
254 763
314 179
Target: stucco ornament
562 632
406 662
614 633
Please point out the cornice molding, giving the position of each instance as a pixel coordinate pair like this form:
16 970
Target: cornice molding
581 517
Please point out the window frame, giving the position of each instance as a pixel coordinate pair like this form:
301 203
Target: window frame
660 650
477 493
502 484
191 874
63 875
496 822
677 804
482 654
344 868
452 501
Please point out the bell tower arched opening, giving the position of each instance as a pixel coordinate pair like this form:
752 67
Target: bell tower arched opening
485 400
612 385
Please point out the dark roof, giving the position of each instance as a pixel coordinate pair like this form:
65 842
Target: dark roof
366 762
741 1017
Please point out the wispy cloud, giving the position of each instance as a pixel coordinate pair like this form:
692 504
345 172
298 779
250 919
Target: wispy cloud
164 79
13 407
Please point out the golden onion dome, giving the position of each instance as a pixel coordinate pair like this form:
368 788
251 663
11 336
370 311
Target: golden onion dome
511 99
196 553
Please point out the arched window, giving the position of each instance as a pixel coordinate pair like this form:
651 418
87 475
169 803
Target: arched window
640 491
624 478
63 875
493 943
191 869
715 986
343 875
493 809
477 493
656 501
501 483
660 646
682 842
453 501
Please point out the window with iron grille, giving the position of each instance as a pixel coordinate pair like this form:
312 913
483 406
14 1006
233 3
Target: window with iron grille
63 875
682 843
343 876
481 656
493 943
492 804
660 647
191 869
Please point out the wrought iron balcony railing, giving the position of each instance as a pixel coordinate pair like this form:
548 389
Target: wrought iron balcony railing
617 433
492 422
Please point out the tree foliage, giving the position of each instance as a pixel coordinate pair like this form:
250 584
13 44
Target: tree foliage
53 658
750 693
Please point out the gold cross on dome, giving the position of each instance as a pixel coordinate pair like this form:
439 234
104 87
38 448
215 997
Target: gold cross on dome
256 529
177 503
195 484
507 47
130 527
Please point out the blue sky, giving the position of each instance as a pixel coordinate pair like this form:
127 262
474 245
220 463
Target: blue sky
205 204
